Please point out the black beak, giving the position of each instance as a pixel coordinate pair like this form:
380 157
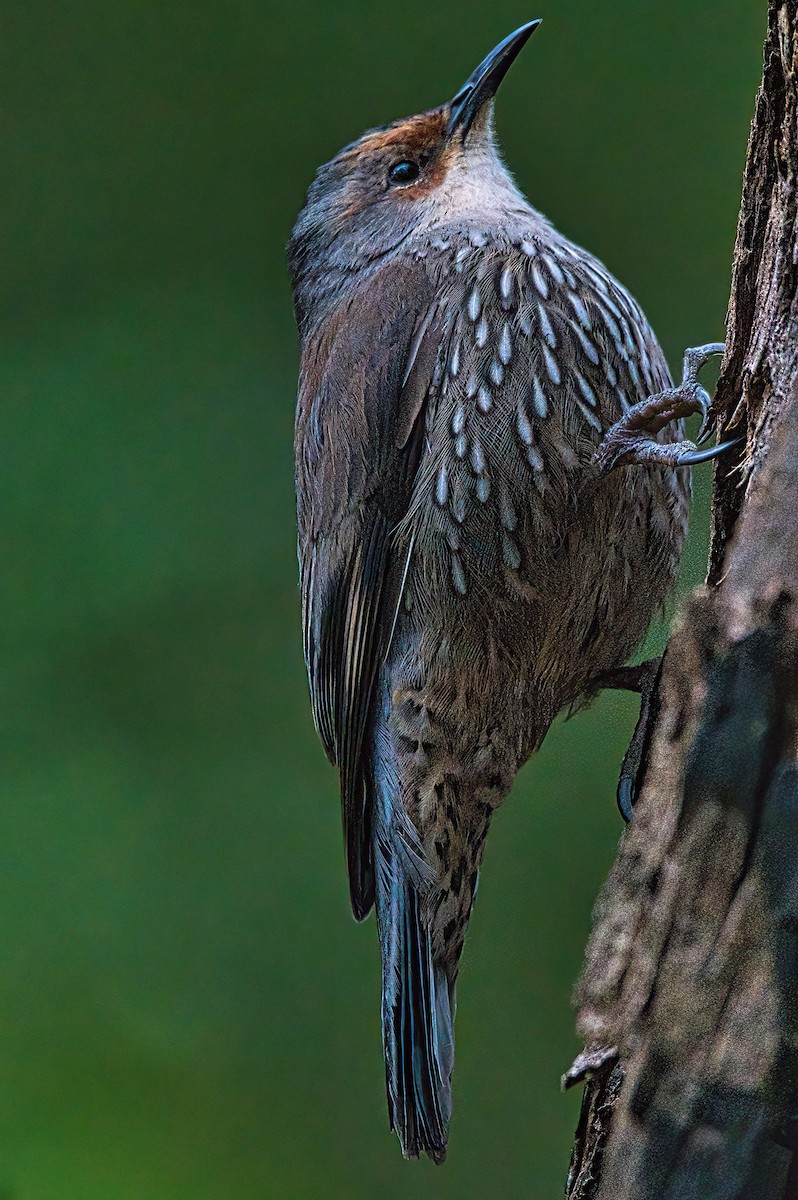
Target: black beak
481 87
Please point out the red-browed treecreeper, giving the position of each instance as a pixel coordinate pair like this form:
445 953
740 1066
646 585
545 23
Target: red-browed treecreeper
466 569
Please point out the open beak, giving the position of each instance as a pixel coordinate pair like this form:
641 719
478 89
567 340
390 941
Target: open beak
481 87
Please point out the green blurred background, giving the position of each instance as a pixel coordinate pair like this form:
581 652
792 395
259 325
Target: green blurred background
187 1010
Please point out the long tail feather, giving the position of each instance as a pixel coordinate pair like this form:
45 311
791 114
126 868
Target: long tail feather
417 996
418 1039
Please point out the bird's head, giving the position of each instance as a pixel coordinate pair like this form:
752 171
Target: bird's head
421 170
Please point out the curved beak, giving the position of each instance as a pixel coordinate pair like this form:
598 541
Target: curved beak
481 87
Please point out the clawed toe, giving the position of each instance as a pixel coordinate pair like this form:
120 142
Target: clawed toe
632 439
694 456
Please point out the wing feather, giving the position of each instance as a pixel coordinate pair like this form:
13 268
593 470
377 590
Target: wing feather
364 385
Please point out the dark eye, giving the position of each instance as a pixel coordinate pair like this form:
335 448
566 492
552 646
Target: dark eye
405 171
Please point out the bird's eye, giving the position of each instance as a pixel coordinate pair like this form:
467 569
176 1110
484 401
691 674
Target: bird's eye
405 171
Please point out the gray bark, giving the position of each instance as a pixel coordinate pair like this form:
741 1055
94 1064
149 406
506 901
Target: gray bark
692 965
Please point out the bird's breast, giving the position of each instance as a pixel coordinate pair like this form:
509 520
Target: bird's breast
512 527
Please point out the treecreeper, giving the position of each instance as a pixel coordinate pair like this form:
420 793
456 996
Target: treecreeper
470 563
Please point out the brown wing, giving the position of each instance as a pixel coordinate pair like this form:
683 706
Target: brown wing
365 380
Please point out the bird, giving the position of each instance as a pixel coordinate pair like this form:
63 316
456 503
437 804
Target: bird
469 565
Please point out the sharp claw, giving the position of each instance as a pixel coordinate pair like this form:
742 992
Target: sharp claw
624 794
634 759
626 442
703 398
694 457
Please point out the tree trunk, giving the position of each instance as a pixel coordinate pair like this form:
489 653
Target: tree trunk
691 971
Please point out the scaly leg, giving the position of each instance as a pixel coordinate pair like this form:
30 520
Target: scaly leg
633 438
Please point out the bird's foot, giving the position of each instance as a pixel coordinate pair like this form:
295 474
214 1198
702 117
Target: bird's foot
642 678
633 438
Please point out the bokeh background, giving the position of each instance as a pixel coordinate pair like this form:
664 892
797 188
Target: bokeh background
187 1010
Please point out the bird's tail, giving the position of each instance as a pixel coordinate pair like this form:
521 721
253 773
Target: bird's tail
417 1016
417 992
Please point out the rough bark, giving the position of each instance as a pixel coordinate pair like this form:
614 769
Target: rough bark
692 965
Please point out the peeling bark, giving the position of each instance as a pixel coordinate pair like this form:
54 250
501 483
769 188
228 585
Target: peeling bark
692 966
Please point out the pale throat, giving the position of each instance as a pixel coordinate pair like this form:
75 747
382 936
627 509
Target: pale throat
477 182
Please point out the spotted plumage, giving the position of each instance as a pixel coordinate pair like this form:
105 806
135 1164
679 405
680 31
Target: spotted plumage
554 375
465 570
